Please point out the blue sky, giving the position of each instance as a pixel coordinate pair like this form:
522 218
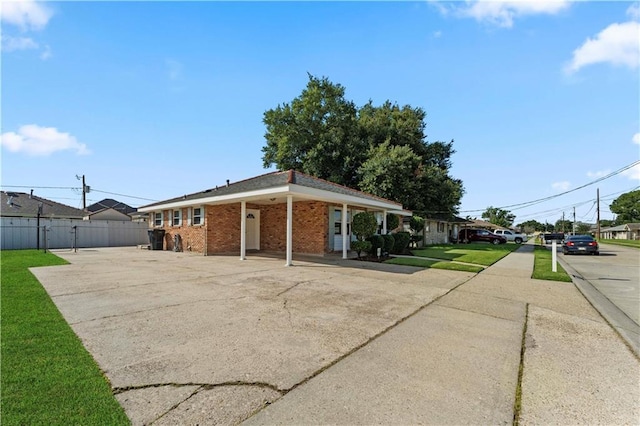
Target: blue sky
151 100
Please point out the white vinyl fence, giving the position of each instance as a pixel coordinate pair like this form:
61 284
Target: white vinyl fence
22 233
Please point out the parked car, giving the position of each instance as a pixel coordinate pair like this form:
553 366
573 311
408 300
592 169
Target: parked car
467 235
580 244
511 235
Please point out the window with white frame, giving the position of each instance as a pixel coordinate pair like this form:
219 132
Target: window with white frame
196 218
157 219
337 222
177 217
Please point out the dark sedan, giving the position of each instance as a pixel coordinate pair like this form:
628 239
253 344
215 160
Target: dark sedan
580 244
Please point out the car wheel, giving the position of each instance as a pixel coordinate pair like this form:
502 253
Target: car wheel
495 242
518 240
596 253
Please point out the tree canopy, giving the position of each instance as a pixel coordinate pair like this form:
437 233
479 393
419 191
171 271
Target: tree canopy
378 149
627 207
499 216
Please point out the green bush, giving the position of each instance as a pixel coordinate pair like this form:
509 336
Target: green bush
360 246
364 225
416 224
401 242
377 242
392 222
389 242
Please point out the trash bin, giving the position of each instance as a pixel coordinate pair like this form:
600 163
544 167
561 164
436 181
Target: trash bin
156 239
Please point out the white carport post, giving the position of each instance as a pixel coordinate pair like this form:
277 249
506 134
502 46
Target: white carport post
243 230
384 222
344 231
289 229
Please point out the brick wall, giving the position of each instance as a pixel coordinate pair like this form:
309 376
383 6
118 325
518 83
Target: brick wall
310 227
221 228
192 236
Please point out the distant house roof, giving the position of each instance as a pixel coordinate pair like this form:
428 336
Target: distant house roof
276 184
484 224
109 203
623 228
443 217
20 204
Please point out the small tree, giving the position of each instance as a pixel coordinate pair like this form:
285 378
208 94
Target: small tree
392 222
363 226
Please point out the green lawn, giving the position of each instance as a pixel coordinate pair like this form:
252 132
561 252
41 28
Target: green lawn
542 267
426 263
626 243
484 254
48 378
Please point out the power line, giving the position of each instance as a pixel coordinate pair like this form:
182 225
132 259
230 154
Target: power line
39 187
551 197
121 195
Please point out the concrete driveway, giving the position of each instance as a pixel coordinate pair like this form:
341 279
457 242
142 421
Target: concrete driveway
178 329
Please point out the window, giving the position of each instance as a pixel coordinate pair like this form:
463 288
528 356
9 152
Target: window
440 226
197 216
157 219
337 222
177 217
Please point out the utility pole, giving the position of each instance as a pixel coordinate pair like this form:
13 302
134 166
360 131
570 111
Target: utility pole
85 189
574 220
598 210
563 222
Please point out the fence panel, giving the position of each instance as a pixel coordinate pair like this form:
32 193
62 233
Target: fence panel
22 233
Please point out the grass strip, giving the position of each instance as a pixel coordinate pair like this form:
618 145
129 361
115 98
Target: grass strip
48 377
542 267
478 253
626 243
435 264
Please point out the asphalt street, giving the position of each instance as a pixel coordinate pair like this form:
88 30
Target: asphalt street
611 282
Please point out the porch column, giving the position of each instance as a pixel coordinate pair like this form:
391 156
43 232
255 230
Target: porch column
289 229
384 222
243 230
344 231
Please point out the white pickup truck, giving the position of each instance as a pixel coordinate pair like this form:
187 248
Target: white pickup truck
511 235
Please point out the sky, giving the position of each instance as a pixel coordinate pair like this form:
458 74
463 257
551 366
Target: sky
153 100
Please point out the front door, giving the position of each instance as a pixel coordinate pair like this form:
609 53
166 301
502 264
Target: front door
253 229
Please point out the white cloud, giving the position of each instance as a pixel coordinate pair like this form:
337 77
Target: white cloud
598 174
561 186
618 44
634 11
26 14
9 43
636 138
36 140
46 53
633 173
437 34
502 13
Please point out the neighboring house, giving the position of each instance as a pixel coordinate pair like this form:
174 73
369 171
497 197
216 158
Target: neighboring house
110 209
628 231
20 204
442 229
285 211
483 224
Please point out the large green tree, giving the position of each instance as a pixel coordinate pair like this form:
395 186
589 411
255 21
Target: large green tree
317 133
531 226
378 149
499 216
627 207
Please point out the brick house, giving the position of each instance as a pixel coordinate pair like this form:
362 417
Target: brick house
285 211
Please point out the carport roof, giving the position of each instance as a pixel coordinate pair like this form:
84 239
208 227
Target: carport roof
289 182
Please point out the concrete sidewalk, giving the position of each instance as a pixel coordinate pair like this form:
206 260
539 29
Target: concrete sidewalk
496 349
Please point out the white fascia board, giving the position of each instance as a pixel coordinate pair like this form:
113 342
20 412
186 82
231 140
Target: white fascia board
220 199
334 197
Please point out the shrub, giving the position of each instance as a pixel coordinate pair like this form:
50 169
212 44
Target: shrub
416 224
389 242
401 243
377 242
360 246
392 222
364 225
